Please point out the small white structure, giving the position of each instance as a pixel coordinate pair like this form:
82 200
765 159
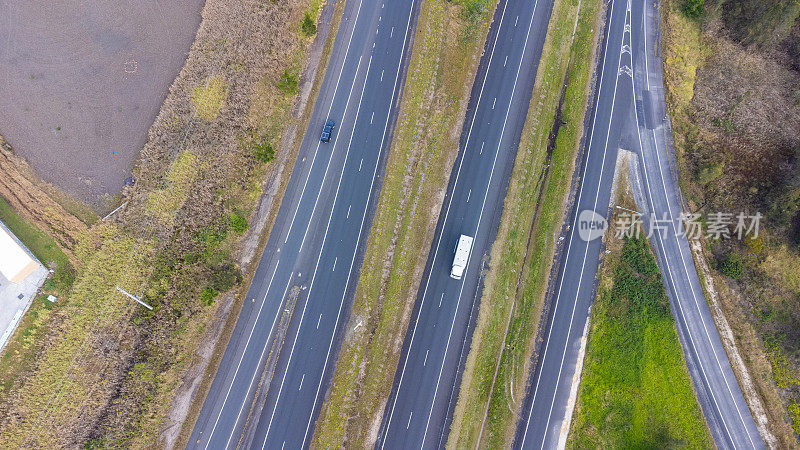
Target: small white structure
15 261
21 276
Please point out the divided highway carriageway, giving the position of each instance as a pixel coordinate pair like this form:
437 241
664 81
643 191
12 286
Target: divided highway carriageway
421 404
309 265
629 113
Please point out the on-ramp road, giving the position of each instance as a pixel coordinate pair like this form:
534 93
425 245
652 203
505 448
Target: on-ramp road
629 113
313 251
426 383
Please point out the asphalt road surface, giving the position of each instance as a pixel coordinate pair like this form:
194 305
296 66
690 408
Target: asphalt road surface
629 113
81 83
420 407
316 243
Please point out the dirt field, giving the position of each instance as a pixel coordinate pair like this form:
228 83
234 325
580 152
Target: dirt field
83 81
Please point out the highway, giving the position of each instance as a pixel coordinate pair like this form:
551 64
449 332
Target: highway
629 113
423 396
300 294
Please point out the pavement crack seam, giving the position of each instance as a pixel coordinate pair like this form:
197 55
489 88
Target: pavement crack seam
275 345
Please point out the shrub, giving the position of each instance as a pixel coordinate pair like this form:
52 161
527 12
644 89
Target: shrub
731 265
224 276
308 26
726 124
238 223
794 415
263 151
207 295
759 21
94 443
709 172
472 9
693 8
782 371
288 83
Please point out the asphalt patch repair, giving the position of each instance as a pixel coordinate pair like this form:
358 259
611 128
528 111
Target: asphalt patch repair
81 83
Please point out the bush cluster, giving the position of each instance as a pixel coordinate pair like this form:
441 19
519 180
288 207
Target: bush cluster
693 8
308 26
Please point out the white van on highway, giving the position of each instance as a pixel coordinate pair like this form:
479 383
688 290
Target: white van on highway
463 250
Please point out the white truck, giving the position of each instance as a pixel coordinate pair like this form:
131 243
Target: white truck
463 250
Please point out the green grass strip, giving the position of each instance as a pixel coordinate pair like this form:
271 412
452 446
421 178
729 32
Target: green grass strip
635 390
523 252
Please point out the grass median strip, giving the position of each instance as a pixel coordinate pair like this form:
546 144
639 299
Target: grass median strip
446 52
522 254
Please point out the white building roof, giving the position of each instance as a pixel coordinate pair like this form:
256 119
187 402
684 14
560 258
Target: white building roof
15 262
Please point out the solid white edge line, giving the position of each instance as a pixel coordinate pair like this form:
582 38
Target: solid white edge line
683 261
575 219
668 274
439 240
333 98
322 247
236 372
363 217
483 205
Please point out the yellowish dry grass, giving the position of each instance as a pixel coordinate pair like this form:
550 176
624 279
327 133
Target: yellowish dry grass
209 98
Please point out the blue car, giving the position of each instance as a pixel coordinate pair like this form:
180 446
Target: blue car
327 130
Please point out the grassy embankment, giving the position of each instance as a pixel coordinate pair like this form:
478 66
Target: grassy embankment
635 390
105 370
522 255
18 354
446 51
731 89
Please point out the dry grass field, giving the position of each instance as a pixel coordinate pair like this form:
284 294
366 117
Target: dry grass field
99 370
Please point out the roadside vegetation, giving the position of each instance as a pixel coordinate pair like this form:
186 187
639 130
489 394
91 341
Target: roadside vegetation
732 78
39 204
20 352
635 390
445 55
493 383
96 369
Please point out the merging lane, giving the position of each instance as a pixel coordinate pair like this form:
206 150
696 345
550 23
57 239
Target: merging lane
426 383
630 81
309 266
721 399
552 378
